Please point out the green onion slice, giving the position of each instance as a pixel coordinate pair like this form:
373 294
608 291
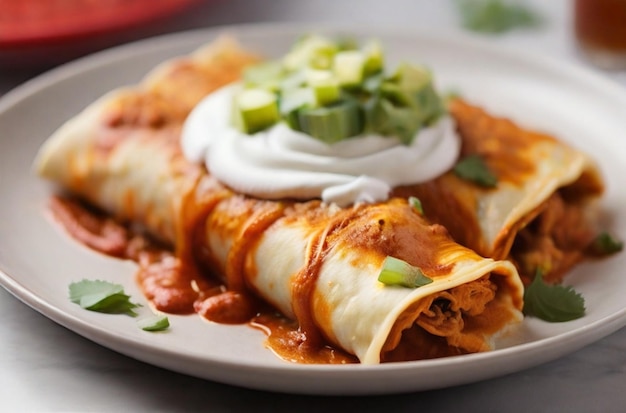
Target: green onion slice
387 119
398 272
333 91
374 58
267 75
257 109
349 67
411 77
331 124
310 50
416 204
325 86
296 98
326 93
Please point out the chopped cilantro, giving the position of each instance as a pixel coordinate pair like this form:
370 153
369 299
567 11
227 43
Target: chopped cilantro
496 16
473 168
553 303
112 304
154 323
106 297
86 288
102 297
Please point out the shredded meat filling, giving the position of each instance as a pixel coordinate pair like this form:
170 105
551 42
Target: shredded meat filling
441 328
554 242
445 315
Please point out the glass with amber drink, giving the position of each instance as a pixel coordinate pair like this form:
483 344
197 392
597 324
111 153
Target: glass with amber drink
600 29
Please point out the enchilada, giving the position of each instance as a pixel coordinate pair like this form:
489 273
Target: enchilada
316 262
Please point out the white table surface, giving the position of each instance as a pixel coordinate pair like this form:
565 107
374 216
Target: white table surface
45 367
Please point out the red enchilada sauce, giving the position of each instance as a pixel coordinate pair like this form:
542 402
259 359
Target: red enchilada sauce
173 287
176 284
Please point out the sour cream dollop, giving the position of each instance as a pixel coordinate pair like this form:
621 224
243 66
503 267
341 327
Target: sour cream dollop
280 162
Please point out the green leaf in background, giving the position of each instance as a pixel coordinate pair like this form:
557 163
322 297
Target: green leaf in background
496 16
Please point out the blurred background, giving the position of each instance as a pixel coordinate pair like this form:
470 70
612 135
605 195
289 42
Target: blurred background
36 35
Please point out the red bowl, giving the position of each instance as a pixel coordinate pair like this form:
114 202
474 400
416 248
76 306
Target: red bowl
34 31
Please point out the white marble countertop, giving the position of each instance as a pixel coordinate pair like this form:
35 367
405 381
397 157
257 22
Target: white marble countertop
45 367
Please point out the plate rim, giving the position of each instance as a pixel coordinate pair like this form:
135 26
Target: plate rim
196 37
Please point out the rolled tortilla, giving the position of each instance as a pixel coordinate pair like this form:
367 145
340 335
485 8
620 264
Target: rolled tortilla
122 152
318 264
541 214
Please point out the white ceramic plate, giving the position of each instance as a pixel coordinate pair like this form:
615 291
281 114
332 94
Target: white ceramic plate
37 261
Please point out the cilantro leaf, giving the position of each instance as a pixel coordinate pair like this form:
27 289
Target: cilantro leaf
154 323
552 303
92 287
102 297
474 169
